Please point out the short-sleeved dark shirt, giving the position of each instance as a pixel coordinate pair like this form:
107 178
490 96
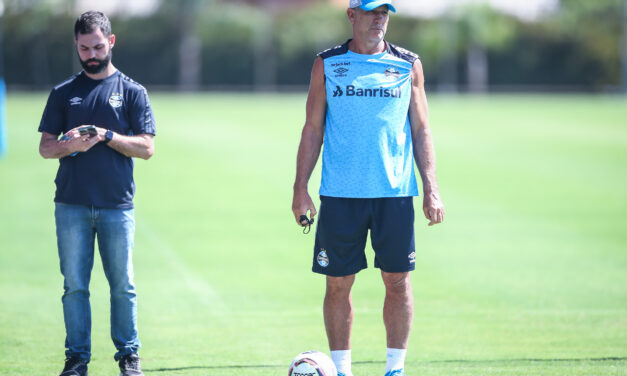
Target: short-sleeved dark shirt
100 177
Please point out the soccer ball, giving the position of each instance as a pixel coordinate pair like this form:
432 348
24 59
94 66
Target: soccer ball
312 363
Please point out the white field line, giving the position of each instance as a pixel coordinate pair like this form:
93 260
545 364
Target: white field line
204 292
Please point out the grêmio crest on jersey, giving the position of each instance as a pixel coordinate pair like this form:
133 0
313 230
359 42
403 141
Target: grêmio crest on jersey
116 100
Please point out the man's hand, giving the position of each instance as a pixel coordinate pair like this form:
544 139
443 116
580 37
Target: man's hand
433 208
301 204
101 133
76 142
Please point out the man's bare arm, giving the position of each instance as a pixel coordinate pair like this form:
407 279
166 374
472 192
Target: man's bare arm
424 152
310 142
51 147
137 146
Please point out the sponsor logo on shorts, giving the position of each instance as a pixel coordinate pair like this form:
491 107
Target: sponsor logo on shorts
115 100
412 257
323 259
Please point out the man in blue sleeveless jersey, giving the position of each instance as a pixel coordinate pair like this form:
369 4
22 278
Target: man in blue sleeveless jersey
106 120
367 103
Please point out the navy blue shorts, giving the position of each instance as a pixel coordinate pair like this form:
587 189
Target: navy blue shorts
342 229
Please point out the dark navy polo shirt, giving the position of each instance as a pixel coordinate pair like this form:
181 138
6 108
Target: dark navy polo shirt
100 177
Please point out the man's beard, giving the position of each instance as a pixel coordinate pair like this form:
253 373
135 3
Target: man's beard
95 69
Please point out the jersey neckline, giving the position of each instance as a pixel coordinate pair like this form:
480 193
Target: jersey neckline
115 74
367 56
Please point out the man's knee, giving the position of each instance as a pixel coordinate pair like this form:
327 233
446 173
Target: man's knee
76 287
75 278
397 283
340 286
122 289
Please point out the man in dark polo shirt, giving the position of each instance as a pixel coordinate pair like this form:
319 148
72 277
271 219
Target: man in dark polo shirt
104 119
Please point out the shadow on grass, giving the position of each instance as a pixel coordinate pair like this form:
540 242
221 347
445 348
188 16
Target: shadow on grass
464 361
526 360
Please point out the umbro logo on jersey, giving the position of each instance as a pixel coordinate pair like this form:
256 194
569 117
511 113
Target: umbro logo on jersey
340 72
352 91
76 101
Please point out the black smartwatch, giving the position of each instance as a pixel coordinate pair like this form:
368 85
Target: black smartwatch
108 136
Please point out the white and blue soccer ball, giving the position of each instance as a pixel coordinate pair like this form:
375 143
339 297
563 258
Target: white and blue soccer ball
312 363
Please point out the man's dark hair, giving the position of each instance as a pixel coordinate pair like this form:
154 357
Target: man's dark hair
88 22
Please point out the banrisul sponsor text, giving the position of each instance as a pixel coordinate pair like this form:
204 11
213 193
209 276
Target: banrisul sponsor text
352 91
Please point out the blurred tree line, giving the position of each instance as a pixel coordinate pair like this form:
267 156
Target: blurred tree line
198 44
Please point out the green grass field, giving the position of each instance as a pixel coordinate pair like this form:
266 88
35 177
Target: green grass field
527 276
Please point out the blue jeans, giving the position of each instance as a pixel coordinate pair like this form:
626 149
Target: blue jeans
77 228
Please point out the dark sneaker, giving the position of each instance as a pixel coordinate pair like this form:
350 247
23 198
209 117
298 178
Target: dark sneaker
75 367
129 365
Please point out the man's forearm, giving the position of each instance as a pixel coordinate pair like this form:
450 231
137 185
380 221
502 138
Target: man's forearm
308 153
53 149
424 154
140 146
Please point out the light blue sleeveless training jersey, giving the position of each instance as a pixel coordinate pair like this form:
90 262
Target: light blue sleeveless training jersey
368 149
